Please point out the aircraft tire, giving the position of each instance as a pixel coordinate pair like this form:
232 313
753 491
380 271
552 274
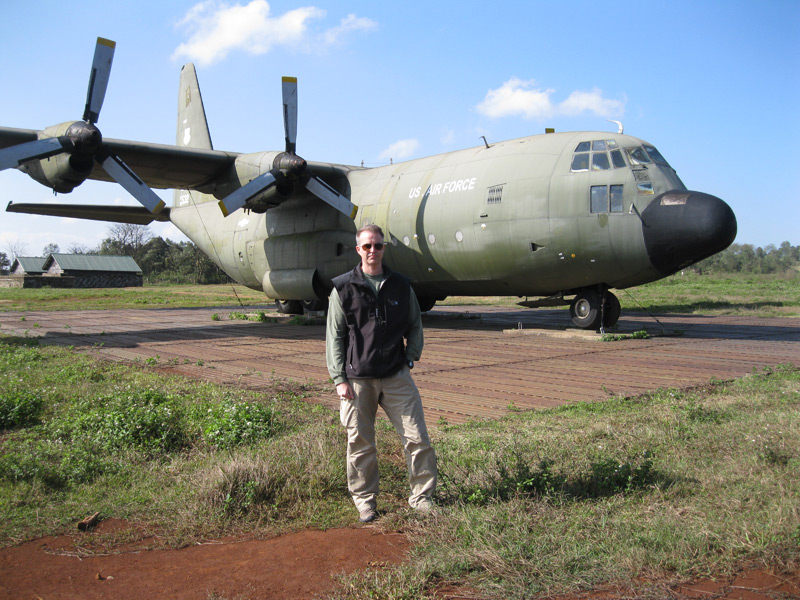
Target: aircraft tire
611 310
289 307
585 309
315 305
426 303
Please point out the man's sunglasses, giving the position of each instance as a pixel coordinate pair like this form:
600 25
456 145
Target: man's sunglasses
368 247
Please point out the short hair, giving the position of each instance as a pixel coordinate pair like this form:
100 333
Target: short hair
369 227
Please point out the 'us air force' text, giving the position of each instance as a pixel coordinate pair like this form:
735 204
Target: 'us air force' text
434 189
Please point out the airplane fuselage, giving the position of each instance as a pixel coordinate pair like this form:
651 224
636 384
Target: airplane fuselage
535 216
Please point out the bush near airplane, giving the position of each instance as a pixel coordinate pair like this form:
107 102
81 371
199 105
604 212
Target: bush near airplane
550 216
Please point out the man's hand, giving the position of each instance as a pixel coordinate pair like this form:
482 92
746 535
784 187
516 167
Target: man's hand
345 390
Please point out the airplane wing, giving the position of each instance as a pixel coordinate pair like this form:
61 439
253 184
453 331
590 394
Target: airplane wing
136 215
158 165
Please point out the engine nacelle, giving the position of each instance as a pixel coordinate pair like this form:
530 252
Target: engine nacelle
67 170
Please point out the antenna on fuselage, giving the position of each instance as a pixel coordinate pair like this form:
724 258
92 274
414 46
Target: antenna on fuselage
620 128
485 142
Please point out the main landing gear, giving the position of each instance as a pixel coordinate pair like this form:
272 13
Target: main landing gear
591 305
298 307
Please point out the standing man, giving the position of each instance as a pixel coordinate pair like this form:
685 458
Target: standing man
371 310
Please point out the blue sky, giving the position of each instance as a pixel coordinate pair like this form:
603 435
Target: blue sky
714 85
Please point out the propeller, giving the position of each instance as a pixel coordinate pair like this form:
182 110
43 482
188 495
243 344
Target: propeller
288 167
83 139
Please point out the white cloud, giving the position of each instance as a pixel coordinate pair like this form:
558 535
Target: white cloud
217 28
580 102
400 150
522 98
348 24
515 97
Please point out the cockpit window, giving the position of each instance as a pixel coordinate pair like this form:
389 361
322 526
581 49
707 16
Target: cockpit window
599 155
656 156
580 162
600 161
638 156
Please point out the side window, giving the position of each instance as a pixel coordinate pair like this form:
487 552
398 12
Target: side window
615 198
606 198
599 200
645 188
617 159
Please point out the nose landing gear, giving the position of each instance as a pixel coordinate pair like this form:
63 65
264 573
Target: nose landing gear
590 307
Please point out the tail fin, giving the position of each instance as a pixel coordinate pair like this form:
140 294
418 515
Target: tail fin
192 125
192 131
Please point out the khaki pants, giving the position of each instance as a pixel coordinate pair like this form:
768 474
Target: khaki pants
399 397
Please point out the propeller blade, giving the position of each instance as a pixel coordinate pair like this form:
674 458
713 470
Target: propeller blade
327 194
290 112
239 198
98 80
11 158
135 186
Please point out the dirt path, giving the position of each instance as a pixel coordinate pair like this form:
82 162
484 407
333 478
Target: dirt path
290 567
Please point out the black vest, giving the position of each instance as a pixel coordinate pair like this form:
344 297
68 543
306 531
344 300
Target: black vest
376 326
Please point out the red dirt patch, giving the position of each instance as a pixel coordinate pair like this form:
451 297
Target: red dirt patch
289 567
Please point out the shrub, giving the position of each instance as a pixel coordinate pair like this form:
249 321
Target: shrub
145 420
19 409
233 422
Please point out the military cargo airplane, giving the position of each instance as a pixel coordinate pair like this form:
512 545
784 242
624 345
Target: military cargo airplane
560 217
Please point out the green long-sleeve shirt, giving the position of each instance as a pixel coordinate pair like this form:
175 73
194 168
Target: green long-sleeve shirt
336 334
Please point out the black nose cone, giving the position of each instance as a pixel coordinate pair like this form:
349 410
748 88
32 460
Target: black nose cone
681 228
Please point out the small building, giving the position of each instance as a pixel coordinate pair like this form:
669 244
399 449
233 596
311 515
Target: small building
94 270
27 265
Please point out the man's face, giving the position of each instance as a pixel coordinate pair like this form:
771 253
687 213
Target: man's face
367 249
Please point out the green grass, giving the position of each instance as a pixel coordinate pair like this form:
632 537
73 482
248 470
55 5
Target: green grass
719 294
668 486
734 294
151 296
712 294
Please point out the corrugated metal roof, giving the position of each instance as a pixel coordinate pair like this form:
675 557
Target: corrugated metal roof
30 264
93 262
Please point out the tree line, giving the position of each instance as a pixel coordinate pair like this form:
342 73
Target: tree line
746 258
161 261
165 261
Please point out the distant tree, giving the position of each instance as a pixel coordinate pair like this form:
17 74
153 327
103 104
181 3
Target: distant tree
5 263
126 239
154 258
745 258
15 248
76 248
50 249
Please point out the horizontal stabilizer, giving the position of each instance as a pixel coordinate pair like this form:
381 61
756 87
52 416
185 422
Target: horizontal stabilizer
136 215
